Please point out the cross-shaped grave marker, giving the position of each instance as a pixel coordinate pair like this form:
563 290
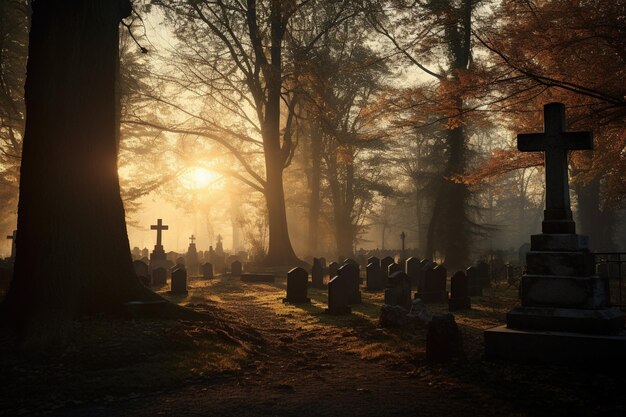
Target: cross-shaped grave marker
555 142
159 227
192 238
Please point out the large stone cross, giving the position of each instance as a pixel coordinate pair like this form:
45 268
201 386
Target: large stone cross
13 238
192 238
555 142
159 227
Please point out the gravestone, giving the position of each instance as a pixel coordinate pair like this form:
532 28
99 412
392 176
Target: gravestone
145 253
143 272
425 265
350 273
384 265
179 281
355 264
136 253
180 261
323 262
398 292
434 286
412 266
393 268
373 260
374 277
158 258
236 269
459 298
192 260
339 296
565 314
207 270
333 267
474 286
483 274
297 282
159 277
317 274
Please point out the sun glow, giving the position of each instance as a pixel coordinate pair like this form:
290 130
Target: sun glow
197 178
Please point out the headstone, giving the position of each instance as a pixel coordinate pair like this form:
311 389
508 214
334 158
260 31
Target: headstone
297 282
565 314
483 274
179 280
333 267
145 253
350 273
136 253
412 266
393 268
434 286
192 260
475 288
143 272
157 257
317 274
207 270
398 292
235 268
356 264
180 261
459 298
384 265
339 296
373 260
374 278
159 277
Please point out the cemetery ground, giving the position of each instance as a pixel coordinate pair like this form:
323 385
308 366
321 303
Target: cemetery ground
294 360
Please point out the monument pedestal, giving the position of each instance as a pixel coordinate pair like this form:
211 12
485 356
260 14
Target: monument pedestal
565 316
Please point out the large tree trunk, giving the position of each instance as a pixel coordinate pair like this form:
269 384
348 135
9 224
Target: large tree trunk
73 255
280 251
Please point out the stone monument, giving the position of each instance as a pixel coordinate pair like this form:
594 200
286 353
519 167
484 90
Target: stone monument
565 316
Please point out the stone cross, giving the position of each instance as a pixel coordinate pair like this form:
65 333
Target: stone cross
159 227
555 142
192 238
219 238
13 238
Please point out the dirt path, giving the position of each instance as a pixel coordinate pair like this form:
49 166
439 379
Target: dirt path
312 364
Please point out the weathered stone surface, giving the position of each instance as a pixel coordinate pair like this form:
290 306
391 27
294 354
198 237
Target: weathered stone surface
179 281
434 288
297 283
564 291
558 242
374 278
575 264
317 274
459 298
399 290
412 266
350 272
443 340
339 295
474 287
399 317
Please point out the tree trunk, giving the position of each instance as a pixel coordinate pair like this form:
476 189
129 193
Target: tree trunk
280 251
315 178
594 222
73 254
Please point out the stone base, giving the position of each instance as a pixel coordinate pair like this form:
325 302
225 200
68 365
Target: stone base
432 297
338 311
609 320
455 304
296 301
555 347
257 278
178 292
